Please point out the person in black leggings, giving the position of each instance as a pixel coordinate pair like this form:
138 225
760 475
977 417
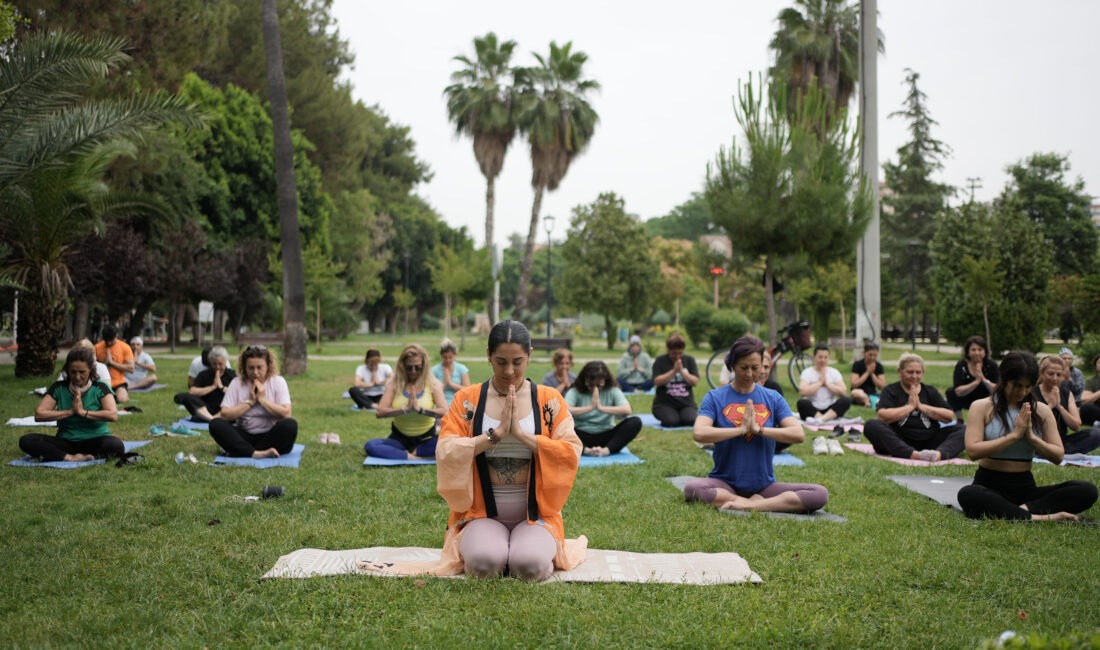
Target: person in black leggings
82 404
595 400
1003 433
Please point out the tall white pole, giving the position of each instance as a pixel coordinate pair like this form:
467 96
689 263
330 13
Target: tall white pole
868 259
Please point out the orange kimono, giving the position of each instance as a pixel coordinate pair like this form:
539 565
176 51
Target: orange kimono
457 480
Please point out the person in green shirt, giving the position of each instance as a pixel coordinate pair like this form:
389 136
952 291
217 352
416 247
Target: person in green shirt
82 404
595 402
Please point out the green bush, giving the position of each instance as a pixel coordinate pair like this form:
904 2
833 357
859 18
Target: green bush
429 322
696 322
1090 347
726 326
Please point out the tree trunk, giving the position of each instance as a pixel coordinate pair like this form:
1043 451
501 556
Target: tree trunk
490 206
80 320
39 327
528 254
985 317
447 315
295 354
173 326
611 333
318 328
769 295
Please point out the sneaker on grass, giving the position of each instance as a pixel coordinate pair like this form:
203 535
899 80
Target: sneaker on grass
181 431
834 448
821 446
157 430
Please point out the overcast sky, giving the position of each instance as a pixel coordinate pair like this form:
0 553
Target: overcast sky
1004 79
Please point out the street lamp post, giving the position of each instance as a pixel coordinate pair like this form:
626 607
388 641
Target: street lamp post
716 273
912 245
548 223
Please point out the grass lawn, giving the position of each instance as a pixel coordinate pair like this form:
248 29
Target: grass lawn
164 554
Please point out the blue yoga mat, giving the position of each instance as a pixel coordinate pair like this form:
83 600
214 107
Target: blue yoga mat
192 424
389 462
624 457
27 461
650 420
286 460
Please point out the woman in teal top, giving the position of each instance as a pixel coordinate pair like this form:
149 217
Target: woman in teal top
595 400
82 405
451 374
1003 433
414 399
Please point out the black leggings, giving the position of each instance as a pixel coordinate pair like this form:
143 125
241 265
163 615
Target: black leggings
193 403
52 448
673 416
999 495
806 408
361 399
239 443
614 438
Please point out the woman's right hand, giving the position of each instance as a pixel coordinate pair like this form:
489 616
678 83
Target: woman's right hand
596 399
1023 422
507 414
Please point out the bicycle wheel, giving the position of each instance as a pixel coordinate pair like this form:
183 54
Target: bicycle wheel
799 362
715 366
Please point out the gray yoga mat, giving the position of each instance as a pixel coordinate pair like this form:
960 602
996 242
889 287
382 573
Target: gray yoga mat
941 489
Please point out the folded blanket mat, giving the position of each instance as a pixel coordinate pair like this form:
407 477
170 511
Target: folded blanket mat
598 566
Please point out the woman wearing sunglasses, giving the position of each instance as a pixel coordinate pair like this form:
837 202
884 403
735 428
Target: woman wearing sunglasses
414 399
254 420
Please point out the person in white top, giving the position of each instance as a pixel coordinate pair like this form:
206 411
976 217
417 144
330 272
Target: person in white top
824 396
144 373
370 380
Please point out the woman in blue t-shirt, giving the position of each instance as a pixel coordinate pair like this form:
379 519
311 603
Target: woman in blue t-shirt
743 477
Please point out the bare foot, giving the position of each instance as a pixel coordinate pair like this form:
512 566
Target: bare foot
79 458
266 453
603 451
738 503
589 451
1056 516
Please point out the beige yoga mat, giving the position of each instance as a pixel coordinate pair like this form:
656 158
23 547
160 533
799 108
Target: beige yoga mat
598 565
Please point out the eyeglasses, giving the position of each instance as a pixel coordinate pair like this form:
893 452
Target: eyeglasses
256 348
409 368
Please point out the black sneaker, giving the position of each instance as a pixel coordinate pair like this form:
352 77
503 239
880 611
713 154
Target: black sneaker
853 435
838 431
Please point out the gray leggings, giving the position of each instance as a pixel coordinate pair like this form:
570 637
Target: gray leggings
812 496
490 547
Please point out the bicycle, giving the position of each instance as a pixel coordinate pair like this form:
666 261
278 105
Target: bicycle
794 338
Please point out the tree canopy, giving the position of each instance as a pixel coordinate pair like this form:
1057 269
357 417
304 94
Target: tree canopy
608 267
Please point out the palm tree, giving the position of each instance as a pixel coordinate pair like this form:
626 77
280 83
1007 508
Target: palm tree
559 122
295 336
55 147
818 41
479 103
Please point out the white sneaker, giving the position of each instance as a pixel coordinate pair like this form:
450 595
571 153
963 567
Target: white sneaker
834 447
821 446
814 421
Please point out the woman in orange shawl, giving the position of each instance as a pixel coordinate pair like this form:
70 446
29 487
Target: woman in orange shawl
506 460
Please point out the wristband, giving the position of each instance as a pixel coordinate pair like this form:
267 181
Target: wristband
493 439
